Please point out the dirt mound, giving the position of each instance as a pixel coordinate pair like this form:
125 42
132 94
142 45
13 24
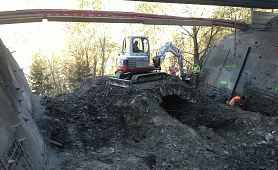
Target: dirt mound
82 122
157 125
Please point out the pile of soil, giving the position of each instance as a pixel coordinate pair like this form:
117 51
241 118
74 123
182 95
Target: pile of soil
157 125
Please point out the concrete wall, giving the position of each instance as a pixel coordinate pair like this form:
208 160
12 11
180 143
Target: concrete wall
262 20
21 146
260 74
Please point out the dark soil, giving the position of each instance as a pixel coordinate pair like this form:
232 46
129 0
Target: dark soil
157 125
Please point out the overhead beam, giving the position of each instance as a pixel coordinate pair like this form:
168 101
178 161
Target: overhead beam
37 15
267 4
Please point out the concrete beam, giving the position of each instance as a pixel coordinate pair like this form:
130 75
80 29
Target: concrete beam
37 15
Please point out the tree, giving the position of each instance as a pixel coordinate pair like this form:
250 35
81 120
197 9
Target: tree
57 73
82 49
40 77
181 42
153 32
89 50
78 64
106 48
201 39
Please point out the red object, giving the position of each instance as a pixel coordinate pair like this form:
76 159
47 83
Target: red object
235 101
135 70
173 70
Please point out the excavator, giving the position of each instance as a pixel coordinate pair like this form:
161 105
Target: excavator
133 63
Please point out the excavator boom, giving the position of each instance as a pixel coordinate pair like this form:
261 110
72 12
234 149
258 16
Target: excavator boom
169 47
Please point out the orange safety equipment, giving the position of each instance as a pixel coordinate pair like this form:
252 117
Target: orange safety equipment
234 101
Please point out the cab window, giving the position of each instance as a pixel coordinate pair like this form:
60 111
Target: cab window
145 46
124 46
137 45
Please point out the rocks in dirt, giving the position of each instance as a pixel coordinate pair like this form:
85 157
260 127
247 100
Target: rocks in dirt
82 120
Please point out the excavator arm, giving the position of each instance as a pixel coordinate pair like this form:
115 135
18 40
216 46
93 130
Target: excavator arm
169 47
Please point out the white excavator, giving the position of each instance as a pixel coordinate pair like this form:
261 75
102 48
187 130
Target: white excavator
133 63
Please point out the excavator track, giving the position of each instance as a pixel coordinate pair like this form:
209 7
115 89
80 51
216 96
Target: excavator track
141 78
138 78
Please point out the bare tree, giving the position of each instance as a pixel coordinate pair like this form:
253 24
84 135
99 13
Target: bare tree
106 48
201 39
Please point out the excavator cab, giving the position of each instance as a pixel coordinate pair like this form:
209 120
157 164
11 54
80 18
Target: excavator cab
136 46
134 57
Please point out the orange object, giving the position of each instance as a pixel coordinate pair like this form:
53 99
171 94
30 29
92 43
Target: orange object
234 101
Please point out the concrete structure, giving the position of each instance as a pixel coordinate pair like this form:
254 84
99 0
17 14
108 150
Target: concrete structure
264 20
271 4
247 66
21 146
63 15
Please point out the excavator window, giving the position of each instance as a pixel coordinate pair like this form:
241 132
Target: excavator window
124 46
145 46
140 45
137 45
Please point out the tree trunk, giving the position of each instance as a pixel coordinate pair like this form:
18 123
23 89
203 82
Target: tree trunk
52 72
87 64
196 46
95 67
103 46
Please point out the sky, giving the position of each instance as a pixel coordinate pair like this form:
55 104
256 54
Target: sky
26 39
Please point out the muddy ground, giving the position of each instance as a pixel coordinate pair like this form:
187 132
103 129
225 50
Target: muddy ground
157 125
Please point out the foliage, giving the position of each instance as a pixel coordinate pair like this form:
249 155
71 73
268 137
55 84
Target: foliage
233 13
89 48
150 8
199 39
40 76
80 52
153 32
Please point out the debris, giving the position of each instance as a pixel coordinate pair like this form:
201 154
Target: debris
268 137
185 129
21 139
53 142
15 126
11 161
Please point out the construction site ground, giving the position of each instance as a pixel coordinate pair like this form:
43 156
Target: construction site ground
156 125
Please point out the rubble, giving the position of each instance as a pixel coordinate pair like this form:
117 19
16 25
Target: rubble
156 125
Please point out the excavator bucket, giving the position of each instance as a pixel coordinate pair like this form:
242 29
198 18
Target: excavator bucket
119 82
